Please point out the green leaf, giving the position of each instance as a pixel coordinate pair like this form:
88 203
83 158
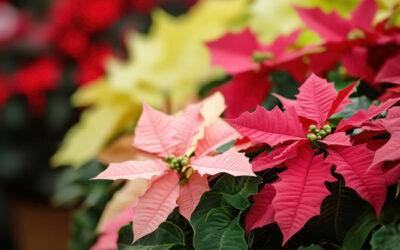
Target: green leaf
225 147
166 236
386 238
216 218
236 190
219 229
360 230
340 210
125 235
311 247
228 190
356 104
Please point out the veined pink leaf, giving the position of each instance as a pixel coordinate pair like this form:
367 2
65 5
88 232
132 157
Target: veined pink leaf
300 191
330 27
352 163
364 14
244 92
131 170
153 132
390 71
230 162
271 127
186 127
391 150
277 156
190 194
108 239
342 99
361 116
155 205
215 135
262 213
338 139
234 51
315 99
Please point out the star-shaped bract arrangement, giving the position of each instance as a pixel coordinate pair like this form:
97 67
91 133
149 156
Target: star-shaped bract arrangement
360 47
300 136
186 151
249 62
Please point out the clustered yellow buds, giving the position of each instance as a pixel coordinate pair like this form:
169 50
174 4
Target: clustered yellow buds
180 165
316 134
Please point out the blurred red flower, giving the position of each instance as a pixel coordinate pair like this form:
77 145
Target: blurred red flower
35 79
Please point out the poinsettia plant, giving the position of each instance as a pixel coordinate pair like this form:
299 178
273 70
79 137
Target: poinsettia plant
184 152
319 168
305 142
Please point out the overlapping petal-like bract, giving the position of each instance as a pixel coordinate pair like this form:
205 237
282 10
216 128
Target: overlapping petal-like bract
161 135
300 192
353 163
300 189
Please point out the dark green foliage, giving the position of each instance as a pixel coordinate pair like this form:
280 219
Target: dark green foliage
166 236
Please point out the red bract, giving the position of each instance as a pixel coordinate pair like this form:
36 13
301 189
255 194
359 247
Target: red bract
360 48
390 71
37 78
177 181
91 66
250 62
299 135
4 91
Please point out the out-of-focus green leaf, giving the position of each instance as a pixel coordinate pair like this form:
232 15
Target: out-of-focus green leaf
166 236
216 219
311 247
359 232
219 229
386 238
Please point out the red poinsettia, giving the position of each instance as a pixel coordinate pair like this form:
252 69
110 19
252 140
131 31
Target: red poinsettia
184 152
35 79
354 42
249 61
91 66
300 135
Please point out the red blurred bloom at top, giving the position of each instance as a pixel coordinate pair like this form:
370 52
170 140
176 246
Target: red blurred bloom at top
143 6
250 62
91 66
361 48
74 21
97 15
34 80
4 91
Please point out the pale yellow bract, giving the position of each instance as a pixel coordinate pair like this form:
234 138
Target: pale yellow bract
166 66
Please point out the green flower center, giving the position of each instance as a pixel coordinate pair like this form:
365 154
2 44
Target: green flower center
355 34
316 134
261 56
180 165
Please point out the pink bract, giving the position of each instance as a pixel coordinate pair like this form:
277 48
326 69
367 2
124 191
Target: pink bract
162 135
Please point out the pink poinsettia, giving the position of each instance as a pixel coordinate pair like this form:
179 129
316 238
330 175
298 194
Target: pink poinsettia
299 136
185 151
249 61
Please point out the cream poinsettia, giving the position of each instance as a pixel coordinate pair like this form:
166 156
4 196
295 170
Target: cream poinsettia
165 66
